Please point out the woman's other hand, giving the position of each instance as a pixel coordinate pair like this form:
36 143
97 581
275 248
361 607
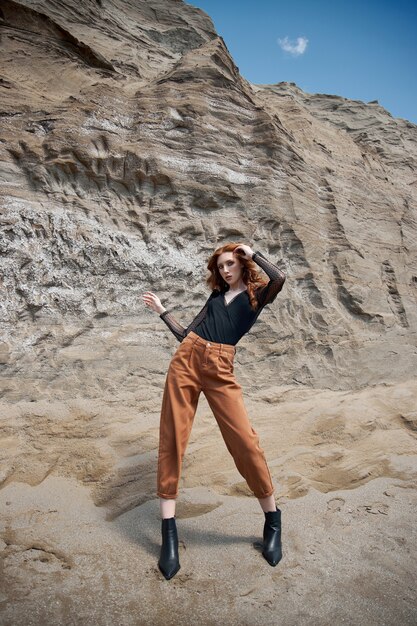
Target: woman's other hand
247 250
153 302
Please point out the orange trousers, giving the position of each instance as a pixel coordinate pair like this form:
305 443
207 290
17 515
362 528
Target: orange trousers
200 365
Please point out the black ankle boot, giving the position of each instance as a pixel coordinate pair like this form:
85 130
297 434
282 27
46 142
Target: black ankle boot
168 561
272 537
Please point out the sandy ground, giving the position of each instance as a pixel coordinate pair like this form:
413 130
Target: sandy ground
80 523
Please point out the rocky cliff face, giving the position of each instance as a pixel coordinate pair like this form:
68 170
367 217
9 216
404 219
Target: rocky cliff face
131 147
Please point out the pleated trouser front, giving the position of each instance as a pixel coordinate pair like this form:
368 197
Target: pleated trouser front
204 366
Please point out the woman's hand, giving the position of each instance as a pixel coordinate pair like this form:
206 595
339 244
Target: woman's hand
152 301
247 250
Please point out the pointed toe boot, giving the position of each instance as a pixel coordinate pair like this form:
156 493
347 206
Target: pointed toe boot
169 561
272 537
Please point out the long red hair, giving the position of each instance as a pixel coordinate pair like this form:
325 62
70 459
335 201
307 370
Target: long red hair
250 274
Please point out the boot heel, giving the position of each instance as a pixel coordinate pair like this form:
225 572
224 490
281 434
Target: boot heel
168 560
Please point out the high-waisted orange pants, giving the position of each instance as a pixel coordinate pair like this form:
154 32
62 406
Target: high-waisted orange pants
200 365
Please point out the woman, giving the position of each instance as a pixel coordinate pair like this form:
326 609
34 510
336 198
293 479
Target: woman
204 362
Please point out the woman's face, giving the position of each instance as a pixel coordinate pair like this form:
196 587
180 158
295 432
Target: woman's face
229 267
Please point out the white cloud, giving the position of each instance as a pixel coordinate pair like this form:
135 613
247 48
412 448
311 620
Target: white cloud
295 48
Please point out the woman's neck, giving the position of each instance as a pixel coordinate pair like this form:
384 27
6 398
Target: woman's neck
238 286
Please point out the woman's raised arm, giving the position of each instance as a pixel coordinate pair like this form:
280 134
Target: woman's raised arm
269 292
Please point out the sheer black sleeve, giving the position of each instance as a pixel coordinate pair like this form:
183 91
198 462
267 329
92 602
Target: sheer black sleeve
269 292
177 329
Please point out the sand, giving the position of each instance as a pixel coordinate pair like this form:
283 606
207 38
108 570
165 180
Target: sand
81 527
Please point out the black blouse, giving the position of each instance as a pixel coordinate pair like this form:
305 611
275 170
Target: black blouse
224 322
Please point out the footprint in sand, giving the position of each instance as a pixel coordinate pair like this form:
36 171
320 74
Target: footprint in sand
335 504
37 556
375 508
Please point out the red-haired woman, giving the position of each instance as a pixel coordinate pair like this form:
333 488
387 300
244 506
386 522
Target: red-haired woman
204 361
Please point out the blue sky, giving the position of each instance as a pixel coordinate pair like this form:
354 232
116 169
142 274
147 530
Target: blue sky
361 49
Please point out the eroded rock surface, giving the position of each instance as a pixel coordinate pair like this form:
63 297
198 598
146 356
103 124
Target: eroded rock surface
131 147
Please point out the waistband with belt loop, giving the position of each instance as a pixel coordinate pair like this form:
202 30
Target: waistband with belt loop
221 347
